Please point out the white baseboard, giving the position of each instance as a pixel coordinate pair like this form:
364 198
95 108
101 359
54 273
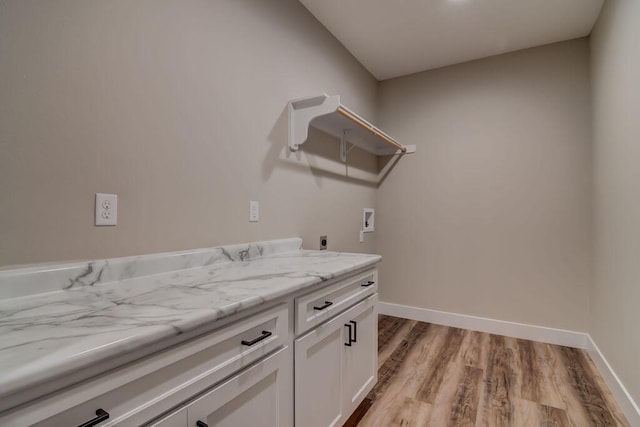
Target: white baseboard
544 334
492 326
620 393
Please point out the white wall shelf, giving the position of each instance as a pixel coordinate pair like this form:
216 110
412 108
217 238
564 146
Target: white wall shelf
325 113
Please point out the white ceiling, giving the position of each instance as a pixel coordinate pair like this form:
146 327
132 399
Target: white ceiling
393 38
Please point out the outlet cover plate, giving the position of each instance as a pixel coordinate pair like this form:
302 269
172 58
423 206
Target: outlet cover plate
106 209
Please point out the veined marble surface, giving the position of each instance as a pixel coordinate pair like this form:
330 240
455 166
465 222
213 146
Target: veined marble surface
76 315
45 278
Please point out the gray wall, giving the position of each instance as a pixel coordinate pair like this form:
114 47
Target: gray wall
179 107
492 216
616 116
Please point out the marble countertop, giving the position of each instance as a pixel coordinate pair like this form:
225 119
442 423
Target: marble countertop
55 320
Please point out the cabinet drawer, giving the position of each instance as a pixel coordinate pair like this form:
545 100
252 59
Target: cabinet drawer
257 396
319 306
144 389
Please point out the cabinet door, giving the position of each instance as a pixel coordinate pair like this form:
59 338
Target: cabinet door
360 360
318 375
259 396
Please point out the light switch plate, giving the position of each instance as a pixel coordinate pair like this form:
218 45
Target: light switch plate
254 211
106 209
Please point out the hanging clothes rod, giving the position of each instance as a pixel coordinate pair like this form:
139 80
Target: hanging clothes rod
354 118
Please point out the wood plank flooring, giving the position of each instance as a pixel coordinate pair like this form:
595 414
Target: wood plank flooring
432 375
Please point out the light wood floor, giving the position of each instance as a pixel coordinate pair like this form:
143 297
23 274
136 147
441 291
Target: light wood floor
431 375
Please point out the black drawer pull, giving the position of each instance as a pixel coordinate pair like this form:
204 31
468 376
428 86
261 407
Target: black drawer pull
348 325
369 283
101 415
265 334
355 330
322 307
201 424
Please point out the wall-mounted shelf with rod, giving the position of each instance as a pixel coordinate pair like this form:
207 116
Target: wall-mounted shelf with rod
325 112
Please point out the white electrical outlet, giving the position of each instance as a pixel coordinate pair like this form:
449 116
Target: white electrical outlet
106 209
254 211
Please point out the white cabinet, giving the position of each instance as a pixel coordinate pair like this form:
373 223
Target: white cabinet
242 373
258 396
318 375
141 391
336 366
360 360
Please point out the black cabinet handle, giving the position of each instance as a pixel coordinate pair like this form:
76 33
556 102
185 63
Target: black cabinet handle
348 325
322 307
265 334
369 283
355 330
201 424
101 415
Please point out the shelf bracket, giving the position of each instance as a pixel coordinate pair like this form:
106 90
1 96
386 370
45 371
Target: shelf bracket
343 147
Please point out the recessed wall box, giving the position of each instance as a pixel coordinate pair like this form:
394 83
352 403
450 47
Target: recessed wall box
367 219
